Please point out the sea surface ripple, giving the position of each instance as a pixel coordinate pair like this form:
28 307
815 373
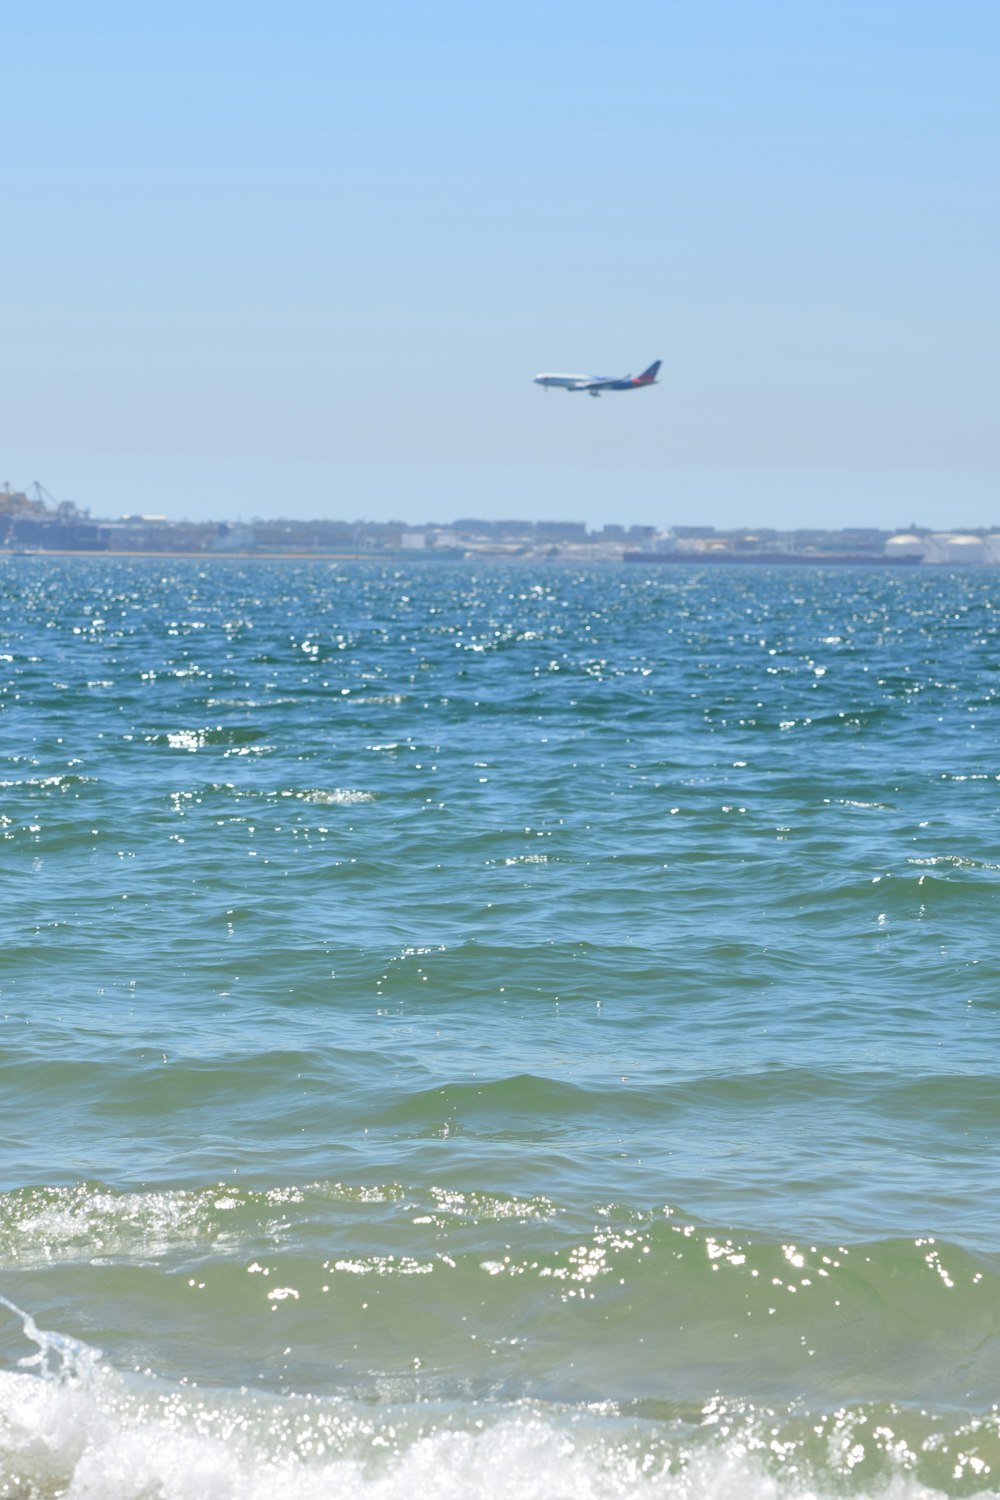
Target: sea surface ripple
497 1029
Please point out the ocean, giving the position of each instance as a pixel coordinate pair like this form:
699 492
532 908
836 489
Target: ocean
521 1031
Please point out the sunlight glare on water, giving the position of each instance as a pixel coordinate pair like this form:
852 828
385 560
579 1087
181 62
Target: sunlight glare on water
521 1030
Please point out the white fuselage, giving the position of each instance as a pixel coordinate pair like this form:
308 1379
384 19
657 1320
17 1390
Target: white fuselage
566 382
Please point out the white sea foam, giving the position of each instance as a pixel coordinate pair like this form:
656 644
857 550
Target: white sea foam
98 1440
73 1427
337 796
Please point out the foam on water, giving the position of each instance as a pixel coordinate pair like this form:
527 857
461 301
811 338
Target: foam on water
76 1428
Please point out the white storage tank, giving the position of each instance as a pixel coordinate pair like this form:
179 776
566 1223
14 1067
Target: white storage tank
955 547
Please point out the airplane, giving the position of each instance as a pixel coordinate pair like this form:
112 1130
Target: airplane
595 384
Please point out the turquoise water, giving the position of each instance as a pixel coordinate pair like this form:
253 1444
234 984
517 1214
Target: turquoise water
511 1031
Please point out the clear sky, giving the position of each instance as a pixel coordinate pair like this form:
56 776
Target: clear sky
305 258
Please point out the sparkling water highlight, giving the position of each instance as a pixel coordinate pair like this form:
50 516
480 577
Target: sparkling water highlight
520 1030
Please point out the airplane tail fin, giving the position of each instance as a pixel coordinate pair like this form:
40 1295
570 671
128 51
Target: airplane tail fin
651 374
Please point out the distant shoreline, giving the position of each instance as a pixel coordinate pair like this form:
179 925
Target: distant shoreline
776 559
229 556
710 559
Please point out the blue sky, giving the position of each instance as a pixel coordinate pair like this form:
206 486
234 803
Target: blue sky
305 259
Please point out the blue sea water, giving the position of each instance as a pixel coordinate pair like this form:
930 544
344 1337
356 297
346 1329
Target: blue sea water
523 1031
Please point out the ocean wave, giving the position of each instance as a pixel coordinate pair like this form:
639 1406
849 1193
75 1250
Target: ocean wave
72 1425
534 1296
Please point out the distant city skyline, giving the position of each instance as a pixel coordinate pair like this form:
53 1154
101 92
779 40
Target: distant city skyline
32 520
309 259
784 501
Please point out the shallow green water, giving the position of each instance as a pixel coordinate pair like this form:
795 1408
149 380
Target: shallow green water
521 1031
